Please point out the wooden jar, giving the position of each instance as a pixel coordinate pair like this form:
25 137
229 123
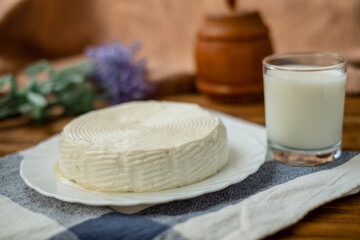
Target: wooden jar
229 54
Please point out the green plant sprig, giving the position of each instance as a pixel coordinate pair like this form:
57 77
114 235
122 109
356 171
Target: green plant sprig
67 88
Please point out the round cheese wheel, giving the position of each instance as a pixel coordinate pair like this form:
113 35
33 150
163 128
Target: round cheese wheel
143 146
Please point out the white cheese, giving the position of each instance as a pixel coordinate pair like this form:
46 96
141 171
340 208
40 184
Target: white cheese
143 146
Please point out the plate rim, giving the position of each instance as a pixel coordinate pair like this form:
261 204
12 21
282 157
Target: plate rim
135 202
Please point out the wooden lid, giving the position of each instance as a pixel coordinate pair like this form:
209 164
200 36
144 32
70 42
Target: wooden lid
232 26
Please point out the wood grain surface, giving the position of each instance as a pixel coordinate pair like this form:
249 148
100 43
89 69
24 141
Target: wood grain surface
339 219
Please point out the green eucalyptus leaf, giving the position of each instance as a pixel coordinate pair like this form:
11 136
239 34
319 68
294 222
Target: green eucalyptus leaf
6 112
37 113
5 79
9 79
8 108
32 84
76 78
63 79
45 87
59 85
38 68
26 108
82 68
36 99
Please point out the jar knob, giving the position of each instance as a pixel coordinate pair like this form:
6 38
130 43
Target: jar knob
231 4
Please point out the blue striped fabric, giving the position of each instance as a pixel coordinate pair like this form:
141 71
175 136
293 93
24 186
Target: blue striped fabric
119 226
87 222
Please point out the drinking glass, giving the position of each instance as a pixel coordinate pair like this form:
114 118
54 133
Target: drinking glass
304 106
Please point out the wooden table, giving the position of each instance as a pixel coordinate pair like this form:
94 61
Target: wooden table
338 219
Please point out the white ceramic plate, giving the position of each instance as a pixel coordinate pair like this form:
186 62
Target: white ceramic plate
247 144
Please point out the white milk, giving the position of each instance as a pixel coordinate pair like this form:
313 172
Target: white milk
304 110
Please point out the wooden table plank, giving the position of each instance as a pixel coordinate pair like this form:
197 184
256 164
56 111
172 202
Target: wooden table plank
337 219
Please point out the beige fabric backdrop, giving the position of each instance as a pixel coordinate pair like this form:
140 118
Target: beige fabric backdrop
60 29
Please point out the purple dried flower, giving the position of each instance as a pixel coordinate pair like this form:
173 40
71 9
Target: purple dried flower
118 73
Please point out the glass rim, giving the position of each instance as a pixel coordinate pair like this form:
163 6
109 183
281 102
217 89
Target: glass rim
341 64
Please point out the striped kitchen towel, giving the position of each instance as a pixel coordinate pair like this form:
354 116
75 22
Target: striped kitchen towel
267 201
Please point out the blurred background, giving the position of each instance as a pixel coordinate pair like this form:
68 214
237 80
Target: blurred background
60 30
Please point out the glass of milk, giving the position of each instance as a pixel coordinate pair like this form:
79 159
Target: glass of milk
304 106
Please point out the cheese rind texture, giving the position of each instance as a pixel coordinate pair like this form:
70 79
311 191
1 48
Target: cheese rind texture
143 146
